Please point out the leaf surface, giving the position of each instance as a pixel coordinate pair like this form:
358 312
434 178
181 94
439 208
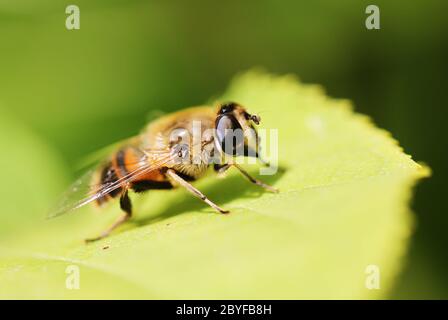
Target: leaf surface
344 205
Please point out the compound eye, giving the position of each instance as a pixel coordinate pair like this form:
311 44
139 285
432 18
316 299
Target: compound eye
224 123
230 135
227 107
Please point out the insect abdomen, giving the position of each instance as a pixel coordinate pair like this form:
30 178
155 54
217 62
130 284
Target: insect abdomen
124 162
108 175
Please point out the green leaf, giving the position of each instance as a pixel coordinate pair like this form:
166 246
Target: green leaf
344 205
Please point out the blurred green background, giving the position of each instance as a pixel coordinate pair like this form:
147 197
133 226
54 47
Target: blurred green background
73 92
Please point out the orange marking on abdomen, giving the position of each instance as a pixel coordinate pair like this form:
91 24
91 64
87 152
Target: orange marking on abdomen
131 159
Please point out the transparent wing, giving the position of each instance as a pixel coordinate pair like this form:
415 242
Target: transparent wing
83 191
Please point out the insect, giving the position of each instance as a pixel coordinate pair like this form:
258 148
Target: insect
172 151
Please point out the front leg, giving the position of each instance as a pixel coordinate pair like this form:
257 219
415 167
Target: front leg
178 179
221 168
224 167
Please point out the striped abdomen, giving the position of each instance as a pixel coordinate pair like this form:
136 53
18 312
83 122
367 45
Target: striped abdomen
122 164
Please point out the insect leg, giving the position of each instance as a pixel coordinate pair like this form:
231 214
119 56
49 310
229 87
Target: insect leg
254 180
173 175
126 206
221 168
